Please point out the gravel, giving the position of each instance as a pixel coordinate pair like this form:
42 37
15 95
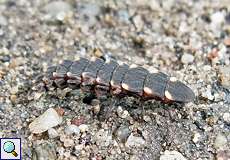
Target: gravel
187 58
172 155
134 141
225 76
188 40
72 129
47 120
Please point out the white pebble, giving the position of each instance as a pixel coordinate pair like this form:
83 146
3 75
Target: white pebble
125 114
172 155
68 142
225 76
72 129
57 10
217 18
52 133
187 58
103 138
220 142
226 117
3 21
196 137
83 127
208 94
134 141
47 120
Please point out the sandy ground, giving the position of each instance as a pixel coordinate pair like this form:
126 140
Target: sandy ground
187 40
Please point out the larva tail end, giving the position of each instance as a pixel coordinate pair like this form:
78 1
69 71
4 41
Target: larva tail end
179 92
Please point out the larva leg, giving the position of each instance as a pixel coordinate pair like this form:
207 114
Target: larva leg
101 90
107 110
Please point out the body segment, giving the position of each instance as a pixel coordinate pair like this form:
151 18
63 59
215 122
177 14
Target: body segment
111 77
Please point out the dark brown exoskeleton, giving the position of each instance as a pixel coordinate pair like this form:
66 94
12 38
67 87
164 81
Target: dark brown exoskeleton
109 77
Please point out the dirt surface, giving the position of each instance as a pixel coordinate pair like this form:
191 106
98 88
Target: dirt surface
187 40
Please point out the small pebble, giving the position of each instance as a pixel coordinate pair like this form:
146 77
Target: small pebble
60 111
13 98
68 142
47 120
14 90
83 127
196 137
79 147
172 155
52 133
187 58
134 141
78 121
37 95
125 114
1 32
123 133
147 118
3 21
96 109
88 13
57 10
220 141
223 155
217 18
208 94
227 42
122 113
154 5
123 15
72 129
98 53
138 22
213 54
225 76
103 138
226 117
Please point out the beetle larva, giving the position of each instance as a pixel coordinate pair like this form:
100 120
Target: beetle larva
110 77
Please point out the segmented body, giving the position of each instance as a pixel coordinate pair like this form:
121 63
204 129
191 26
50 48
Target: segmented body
110 77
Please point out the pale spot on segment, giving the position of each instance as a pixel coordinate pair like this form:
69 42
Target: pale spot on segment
148 90
98 80
55 74
168 95
125 86
84 74
112 83
69 74
61 61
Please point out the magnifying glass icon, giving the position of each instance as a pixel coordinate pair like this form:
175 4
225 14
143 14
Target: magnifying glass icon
9 147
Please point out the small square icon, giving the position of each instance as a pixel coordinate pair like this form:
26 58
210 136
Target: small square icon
10 149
